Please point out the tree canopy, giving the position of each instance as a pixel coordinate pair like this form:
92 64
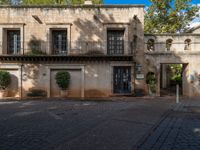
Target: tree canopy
169 16
82 1
46 2
2 2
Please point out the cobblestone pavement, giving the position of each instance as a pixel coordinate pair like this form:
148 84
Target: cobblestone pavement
82 125
179 130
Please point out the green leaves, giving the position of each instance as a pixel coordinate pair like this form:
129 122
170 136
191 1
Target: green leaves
63 79
176 73
169 16
47 2
5 2
5 79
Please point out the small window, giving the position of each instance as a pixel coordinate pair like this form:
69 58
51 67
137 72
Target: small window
151 45
169 44
187 44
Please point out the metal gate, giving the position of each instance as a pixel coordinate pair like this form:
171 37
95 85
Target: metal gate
122 80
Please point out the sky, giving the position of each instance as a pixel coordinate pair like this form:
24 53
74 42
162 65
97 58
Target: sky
146 2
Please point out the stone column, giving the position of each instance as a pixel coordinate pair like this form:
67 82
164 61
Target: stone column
158 80
164 75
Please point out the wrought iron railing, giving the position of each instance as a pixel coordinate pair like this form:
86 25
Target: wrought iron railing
68 48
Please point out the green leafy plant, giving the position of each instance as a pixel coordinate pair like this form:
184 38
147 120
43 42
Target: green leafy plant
63 79
176 73
169 16
151 78
5 79
37 93
35 53
35 47
57 2
151 81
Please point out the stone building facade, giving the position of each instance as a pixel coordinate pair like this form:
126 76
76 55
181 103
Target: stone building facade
97 44
103 47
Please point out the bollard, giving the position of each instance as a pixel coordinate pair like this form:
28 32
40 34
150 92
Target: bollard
177 93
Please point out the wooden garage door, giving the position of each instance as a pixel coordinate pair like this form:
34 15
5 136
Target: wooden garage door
75 83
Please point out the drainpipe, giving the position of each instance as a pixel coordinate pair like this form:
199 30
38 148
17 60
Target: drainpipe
70 40
134 76
23 41
21 91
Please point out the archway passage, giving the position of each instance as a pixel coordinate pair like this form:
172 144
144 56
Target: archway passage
170 76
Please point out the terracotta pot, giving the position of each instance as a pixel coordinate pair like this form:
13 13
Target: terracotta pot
3 93
64 93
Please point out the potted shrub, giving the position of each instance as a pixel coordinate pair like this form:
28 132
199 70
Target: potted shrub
151 82
63 81
5 80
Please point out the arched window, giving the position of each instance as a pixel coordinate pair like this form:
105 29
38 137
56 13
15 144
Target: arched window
169 44
187 44
151 45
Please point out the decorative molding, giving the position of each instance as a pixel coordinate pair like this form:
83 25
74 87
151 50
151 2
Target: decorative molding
116 23
59 23
15 23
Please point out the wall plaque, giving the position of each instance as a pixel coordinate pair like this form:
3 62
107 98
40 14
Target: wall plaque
140 76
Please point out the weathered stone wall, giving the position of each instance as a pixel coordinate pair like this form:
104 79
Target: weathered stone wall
177 54
87 79
83 23
178 44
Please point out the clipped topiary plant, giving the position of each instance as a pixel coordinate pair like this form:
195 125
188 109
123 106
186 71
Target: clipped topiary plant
63 79
151 82
5 79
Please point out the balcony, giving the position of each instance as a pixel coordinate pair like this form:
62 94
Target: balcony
75 51
78 48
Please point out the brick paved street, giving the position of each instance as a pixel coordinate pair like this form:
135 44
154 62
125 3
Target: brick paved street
179 130
77 125
91 125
